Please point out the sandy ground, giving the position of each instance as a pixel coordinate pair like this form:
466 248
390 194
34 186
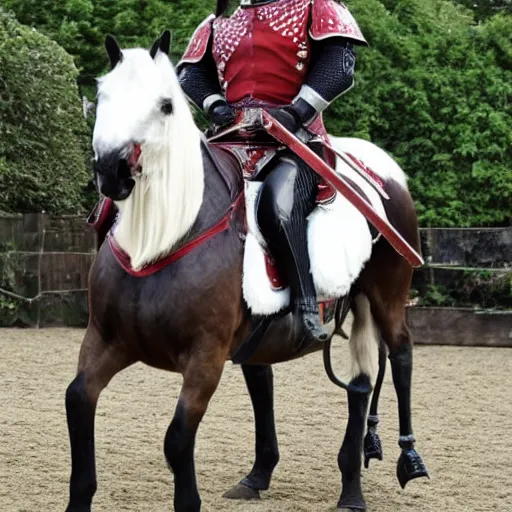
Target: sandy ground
462 417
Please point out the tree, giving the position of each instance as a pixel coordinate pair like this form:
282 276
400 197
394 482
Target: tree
80 26
484 9
43 137
434 88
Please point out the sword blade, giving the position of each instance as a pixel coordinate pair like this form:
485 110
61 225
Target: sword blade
347 160
320 167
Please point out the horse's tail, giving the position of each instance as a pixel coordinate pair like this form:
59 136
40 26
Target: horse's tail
363 343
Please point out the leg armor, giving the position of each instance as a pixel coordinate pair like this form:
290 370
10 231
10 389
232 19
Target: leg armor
286 199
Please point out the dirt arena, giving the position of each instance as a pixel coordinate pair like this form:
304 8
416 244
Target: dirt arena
462 417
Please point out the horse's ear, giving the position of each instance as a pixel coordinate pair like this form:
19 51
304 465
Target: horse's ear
163 43
113 51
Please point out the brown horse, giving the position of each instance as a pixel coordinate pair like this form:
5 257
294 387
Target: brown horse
190 315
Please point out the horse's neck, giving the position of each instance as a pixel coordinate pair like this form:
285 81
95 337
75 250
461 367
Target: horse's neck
216 199
165 204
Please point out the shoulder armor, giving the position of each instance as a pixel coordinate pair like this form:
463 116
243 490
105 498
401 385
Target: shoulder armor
330 18
198 42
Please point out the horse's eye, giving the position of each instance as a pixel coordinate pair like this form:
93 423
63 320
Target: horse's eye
166 106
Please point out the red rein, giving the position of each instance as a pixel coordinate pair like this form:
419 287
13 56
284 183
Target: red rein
133 159
124 260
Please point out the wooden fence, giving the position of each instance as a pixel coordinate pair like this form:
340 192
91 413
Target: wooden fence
472 270
463 293
44 264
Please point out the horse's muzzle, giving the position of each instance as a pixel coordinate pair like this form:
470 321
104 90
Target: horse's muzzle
114 177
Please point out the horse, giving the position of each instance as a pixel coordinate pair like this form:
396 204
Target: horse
189 316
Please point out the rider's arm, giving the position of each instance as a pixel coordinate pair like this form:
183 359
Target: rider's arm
199 81
197 74
331 74
333 33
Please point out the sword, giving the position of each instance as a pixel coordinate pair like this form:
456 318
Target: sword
278 131
355 165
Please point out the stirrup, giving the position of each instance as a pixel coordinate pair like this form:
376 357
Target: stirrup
310 330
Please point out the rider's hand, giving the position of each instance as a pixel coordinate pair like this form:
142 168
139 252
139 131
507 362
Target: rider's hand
221 114
287 117
293 116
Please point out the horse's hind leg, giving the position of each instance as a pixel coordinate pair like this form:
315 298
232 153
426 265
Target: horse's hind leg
372 444
260 383
364 354
200 380
388 294
410 464
98 363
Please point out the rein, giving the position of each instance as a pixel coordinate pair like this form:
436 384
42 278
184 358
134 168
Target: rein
222 225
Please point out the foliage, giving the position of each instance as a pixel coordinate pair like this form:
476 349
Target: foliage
484 9
80 26
434 88
42 133
463 287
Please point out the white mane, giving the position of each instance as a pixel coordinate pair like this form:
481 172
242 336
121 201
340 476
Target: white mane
165 201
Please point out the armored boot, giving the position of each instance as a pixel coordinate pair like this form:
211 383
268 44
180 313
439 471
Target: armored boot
286 199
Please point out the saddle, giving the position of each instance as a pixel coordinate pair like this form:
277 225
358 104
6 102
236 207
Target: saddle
241 156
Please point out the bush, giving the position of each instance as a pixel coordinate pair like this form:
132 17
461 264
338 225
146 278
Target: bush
435 90
43 136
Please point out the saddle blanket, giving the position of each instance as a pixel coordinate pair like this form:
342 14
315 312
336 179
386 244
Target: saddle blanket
339 237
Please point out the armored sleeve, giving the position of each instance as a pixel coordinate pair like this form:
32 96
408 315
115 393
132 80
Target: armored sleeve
197 71
331 73
199 81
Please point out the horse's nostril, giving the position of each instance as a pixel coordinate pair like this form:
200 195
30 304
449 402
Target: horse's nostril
123 169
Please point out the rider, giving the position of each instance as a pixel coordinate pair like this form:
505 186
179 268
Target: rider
292 57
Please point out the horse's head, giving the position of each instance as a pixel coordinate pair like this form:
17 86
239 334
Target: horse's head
134 101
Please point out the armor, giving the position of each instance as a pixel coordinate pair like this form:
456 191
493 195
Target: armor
302 58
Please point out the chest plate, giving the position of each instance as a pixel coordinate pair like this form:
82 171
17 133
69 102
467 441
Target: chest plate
262 41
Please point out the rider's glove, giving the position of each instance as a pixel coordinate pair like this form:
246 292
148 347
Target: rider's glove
287 117
293 116
221 114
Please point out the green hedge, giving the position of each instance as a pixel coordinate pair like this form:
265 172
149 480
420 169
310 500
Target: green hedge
434 88
43 136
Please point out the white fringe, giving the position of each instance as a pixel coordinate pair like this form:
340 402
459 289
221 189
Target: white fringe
339 242
166 199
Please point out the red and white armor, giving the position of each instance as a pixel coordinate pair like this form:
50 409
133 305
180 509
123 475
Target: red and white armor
330 18
292 58
262 53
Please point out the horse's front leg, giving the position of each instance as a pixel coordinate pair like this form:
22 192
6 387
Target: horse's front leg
260 383
200 380
410 464
372 443
98 363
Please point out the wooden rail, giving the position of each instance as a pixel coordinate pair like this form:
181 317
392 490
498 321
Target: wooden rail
45 260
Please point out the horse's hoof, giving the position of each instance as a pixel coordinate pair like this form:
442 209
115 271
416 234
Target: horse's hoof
372 448
352 503
410 466
242 492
